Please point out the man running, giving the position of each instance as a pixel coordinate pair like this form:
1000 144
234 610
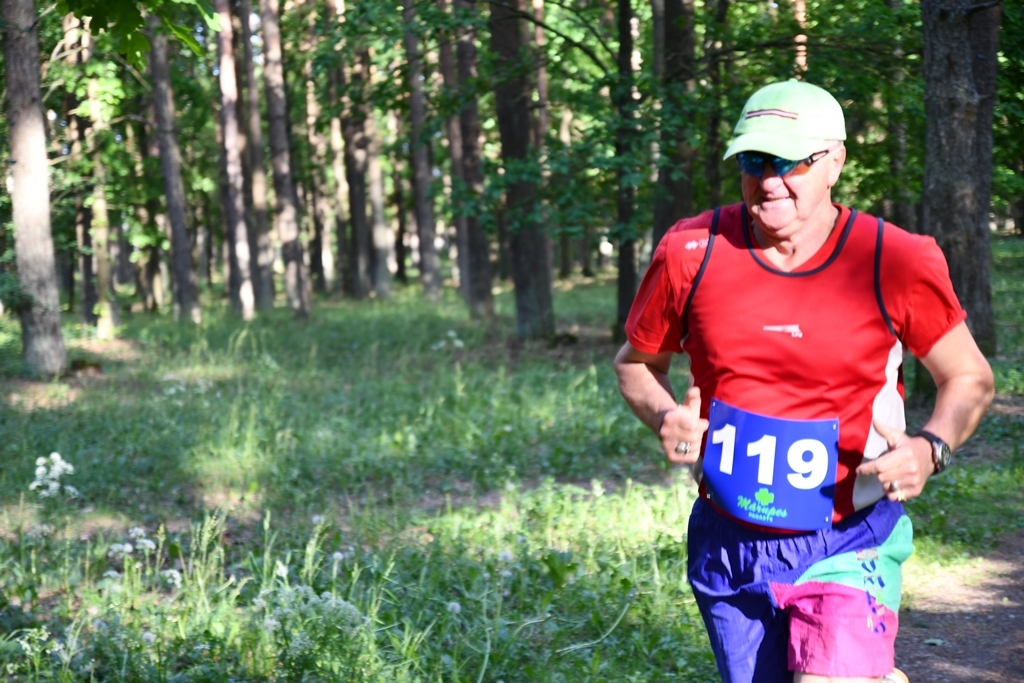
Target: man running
795 313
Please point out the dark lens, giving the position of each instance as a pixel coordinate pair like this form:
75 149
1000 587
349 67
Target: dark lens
751 163
784 166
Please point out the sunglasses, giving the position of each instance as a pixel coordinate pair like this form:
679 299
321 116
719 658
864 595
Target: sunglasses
752 163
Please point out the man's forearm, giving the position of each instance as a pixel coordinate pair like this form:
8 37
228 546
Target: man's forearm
647 391
959 406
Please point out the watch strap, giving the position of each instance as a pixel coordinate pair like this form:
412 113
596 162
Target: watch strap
939 448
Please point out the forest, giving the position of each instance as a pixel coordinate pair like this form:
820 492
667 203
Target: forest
308 307
317 149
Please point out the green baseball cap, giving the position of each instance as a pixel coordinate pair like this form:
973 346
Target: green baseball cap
790 119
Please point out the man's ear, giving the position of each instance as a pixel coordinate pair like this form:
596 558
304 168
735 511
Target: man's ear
837 159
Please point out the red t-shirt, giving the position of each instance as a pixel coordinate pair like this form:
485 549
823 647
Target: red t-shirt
825 340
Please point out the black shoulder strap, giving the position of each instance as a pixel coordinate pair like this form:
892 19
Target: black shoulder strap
700 273
878 278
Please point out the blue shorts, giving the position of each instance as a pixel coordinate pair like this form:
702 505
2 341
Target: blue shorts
823 602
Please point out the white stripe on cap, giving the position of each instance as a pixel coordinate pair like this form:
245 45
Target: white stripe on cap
772 112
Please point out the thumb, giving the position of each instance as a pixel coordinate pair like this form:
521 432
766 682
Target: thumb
891 435
691 401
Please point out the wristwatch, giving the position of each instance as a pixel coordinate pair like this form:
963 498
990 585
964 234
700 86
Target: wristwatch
941 453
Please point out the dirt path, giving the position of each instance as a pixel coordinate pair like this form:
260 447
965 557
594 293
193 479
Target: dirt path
965 624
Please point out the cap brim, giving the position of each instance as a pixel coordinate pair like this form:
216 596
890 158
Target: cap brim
785 146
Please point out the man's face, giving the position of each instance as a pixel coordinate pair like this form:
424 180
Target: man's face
780 206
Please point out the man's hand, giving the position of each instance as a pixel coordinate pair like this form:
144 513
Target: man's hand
905 468
683 425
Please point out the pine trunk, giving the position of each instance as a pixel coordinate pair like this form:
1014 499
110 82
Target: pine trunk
960 48
481 299
714 45
675 172
528 243
240 280
625 132
39 311
106 308
286 198
430 266
263 261
453 128
380 234
186 303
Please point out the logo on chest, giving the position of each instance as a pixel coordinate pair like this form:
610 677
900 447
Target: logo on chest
792 330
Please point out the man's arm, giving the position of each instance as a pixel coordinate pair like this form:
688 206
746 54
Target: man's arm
965 390
644 383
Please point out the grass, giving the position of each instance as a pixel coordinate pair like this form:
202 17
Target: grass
389 492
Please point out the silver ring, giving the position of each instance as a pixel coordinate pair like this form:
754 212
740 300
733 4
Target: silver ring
683 447
894 487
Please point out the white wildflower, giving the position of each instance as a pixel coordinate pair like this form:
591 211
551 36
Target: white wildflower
172 576
270 624
338 556
136 532
458 343
148 637
505 556
281 571
454 608
145 545
48 475
318 519
111 574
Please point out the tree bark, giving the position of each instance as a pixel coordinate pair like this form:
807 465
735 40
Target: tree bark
714 44
430 266
321 262
357 158
39 309
401 211
263 253
530 255
106 306
453 127
240 282
625 132
960 47
186 302
481 299
285 195
380 234
674 196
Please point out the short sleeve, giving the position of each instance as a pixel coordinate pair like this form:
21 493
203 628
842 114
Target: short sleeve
655 321
917 290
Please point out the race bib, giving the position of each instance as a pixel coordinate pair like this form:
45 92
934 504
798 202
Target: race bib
771 471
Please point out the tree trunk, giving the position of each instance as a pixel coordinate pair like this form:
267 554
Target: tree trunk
263 252
401 210
625 132
106 307
340 198
714 44
674 196
321 262
284 188
430 266
39 311
380 234
353 127
186 303
240 280
960 47
453 127
481 300
531 268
